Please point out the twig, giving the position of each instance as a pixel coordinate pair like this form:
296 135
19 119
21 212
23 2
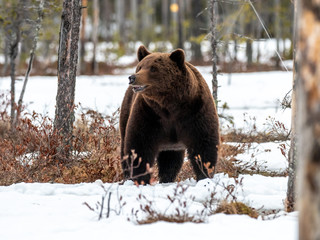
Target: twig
108 209
101 208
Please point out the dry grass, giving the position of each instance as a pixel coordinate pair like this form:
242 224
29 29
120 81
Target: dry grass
28 153
236 208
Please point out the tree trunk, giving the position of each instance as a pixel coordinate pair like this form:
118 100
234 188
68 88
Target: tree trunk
213 18
249 52
120 10
32 53
277 29
147 22
13 53
308 114
82 64
165 18
95 66
134 11
291 193
180 24
67 69
198 22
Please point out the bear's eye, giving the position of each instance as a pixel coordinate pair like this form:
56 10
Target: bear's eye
153 69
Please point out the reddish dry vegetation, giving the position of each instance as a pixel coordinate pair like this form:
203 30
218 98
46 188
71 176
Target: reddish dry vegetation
28 152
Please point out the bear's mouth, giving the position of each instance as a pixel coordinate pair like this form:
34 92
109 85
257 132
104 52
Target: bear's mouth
139 88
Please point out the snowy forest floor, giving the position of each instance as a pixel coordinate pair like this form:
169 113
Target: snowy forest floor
249 104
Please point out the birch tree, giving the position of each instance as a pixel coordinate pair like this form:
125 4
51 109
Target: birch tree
308 114
67 69
13 35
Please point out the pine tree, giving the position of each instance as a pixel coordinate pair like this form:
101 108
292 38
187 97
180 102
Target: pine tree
67 69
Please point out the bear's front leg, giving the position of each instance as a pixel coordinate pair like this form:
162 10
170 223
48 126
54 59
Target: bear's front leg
137 163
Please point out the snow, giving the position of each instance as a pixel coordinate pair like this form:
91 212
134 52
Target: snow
266 156
56 211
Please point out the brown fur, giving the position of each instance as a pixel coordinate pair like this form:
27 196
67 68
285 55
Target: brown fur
171 110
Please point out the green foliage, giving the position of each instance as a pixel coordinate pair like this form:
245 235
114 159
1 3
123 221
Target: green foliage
198 39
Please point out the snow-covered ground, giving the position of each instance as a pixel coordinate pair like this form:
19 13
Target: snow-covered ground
251 97
56 211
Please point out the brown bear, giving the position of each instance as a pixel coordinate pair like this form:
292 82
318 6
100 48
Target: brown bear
167 109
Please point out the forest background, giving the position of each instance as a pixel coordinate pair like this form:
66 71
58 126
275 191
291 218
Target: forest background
111 29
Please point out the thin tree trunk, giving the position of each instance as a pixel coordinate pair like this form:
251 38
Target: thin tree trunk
308 114
13 52
180 24
82 64
165 18
147 21
95 66
67 69
198 23
120 9
213 18
32 52
249 52
134 12
277 29
291 193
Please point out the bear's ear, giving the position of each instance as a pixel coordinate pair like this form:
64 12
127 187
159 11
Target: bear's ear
178 57
142 52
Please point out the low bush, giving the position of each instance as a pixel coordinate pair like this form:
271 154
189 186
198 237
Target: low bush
28 151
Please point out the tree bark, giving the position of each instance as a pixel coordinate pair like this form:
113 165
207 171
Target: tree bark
165 18
67 69
213 18
134 11
13 53
308 95
198 22
249 52
277 29
95 66
291 193
180 24
120 13
82 64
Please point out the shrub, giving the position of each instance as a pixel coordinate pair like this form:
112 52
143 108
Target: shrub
28 152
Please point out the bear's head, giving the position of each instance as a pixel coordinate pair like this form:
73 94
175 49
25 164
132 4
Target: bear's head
158 73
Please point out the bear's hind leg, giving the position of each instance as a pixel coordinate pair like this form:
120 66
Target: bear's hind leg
169 165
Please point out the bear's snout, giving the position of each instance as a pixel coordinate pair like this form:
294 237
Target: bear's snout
132 79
